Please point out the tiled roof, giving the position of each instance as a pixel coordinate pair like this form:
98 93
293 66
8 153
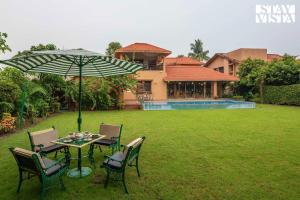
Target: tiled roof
195 73
143 47
182 61
271 57
222 55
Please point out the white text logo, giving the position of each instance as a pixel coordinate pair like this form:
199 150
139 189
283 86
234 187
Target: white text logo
278 13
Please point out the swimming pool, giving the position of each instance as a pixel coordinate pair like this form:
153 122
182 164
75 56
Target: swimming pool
209 104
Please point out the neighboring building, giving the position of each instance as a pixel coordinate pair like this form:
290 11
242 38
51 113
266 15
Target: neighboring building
170 78
228 63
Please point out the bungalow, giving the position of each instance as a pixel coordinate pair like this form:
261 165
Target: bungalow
166 78
228 63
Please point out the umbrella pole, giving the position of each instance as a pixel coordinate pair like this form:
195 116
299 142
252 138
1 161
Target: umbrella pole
79 120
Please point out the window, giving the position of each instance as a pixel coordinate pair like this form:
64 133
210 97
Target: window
221 69
144 87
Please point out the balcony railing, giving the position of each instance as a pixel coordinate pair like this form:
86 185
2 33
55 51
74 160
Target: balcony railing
153 67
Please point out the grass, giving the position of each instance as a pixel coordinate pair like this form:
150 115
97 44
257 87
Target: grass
187 154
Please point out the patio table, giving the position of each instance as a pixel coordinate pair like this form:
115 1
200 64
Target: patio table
79 143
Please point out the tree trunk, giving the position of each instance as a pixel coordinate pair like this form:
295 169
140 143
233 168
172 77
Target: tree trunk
261 88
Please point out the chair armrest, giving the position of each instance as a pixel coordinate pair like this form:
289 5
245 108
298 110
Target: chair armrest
111 159
57 162
39 146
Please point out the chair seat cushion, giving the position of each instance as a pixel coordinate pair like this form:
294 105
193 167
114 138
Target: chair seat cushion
106 142
52 148
118 156
54 169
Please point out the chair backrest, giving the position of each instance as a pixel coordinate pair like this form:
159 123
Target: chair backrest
132 150
43 137
28 160
110 131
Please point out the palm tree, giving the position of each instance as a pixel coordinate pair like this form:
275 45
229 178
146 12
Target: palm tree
197 51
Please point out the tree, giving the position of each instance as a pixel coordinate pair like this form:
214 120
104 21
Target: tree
14 75
285 71
252 75
39 47
3 46
197 51
180 56
112 47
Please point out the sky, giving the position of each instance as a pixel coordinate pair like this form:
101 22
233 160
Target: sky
222 25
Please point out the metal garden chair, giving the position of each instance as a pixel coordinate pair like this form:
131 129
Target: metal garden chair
112 137
118 161
48 171
41 142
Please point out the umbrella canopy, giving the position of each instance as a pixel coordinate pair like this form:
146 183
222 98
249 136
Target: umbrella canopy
74 62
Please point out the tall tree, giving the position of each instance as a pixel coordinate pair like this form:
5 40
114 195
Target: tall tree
3 46
39 47
112 47
197 51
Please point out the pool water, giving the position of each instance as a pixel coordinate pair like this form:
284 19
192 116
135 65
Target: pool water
210 104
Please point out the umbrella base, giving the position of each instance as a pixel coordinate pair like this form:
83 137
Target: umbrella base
75 173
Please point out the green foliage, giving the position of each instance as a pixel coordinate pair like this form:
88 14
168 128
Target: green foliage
39 47
6 107
251 72
283 72
198 52
283 95
255 73
55 86
31 112
9 91
112 47
71 91
12 74
3 46
42 108
55 106
252 75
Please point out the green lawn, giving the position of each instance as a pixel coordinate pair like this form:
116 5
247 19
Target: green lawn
188 154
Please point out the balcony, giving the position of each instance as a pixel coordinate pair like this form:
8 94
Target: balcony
153 67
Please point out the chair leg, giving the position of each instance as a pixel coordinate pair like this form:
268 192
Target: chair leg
67 156
20 180
100 148
42 193
62 185
91 155
137 166
107 178
124 183
55 156
112 150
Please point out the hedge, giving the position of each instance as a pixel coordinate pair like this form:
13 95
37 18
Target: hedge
283 95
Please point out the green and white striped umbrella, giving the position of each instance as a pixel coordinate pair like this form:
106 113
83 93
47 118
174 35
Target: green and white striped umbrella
74 62
69 62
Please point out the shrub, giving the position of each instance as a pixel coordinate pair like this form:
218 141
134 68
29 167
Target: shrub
282 95
8 123
9 91
31 113
42 108
55 107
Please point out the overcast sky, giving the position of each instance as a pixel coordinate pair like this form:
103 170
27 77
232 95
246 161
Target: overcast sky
222 25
